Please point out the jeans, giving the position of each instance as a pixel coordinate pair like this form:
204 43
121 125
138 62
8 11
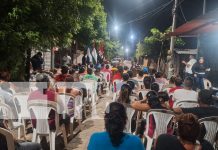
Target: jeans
200 81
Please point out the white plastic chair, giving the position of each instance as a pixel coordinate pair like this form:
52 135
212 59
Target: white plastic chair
77 108
107 79
186 104
130 112
41 110
116 89
7 114
162 119
207 84
211 126
9 138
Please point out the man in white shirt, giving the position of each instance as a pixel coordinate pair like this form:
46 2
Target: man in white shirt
189 65
186 93
66 60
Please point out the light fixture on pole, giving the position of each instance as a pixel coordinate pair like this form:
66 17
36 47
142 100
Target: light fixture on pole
132 37
127 51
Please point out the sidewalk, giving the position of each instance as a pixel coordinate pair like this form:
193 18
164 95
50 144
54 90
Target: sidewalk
90 125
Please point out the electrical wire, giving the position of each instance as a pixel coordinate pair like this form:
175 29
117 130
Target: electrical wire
183 15
152 12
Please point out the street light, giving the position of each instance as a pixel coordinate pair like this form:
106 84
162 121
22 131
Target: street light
132 37
127 51
116 27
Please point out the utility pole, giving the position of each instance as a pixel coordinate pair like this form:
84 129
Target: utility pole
172 41
204 7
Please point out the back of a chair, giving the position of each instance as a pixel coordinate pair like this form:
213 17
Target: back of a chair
5 111
106 76
41 110
115 85
186 104
162 119
9 138
207 84
130 112
211 126
22 100
65 98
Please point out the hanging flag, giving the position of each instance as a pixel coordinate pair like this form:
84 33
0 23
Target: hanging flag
89 55
101 48
95 56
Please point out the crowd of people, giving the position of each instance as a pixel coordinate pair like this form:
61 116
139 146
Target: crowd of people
138 87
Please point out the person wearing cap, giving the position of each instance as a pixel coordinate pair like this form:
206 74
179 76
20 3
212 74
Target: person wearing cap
200 69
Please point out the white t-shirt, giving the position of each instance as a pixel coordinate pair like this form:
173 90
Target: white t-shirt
66 60
188 68
185 95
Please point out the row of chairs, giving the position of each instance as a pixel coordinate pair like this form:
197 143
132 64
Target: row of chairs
41 109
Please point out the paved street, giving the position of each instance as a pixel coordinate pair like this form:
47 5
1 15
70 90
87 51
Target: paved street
91 125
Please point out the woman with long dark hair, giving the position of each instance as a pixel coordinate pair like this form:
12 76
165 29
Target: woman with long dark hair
114 138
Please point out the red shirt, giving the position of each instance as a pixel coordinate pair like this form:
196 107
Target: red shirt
117 76
61 77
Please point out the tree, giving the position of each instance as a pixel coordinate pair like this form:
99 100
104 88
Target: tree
156 45
43 24
93 22
113 49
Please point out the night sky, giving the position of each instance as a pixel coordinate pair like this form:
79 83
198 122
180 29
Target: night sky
121 12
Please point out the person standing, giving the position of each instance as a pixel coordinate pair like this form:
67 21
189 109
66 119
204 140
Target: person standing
66 60
189 65
37 61
199 70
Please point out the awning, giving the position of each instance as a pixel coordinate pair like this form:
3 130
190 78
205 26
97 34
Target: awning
204 24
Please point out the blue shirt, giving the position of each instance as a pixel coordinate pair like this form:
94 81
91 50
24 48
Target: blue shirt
101 141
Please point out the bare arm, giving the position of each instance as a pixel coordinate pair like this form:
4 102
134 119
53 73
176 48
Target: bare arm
177 110
137 105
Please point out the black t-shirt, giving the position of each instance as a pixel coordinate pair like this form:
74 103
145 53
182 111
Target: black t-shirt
168 142
202 112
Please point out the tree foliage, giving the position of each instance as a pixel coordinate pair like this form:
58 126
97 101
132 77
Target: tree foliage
113 49
157 44
43 24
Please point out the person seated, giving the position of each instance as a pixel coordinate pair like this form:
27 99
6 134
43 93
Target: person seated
170 85
64 73
188 131
154 101
125 69
7 94
147 87
186 93
155 87
131 78
124 80
107 69
124 95
19 145
90 75
139 79
205 108
45 92
160 79
82 73
118 74
114 137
